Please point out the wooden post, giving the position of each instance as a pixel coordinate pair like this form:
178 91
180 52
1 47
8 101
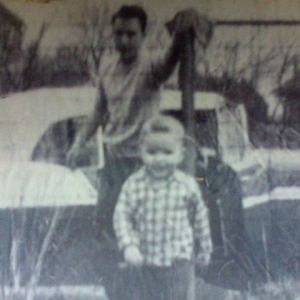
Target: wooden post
186 84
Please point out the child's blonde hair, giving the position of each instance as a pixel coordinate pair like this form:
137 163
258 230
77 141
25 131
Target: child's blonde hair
163 124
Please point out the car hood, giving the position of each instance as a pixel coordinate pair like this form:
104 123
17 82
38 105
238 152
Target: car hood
25 116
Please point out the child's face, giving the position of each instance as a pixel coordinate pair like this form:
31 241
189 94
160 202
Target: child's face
161 154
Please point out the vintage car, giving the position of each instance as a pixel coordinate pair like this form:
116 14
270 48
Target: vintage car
242 185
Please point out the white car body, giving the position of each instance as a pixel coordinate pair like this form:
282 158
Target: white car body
26 116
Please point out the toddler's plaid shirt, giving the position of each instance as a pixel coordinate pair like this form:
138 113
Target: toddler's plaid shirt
162 220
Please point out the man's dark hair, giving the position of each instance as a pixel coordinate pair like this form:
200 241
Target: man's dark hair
131 12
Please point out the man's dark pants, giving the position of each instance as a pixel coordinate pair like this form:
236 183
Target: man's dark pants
162 283
112 177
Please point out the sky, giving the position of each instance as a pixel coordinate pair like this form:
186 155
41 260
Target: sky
61 13
35 10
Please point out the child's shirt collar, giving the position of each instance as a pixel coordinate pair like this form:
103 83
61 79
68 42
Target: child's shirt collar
161 183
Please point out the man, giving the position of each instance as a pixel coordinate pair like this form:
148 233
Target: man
128 95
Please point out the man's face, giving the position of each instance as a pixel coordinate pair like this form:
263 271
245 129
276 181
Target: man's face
128 37
161 154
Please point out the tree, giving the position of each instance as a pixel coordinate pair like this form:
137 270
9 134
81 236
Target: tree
95 35
20 70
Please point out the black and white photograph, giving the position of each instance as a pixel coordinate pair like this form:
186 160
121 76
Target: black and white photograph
149 150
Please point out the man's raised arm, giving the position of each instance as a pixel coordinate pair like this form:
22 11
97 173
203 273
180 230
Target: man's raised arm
96 119
183 21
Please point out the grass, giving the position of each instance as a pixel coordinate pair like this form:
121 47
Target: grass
285 289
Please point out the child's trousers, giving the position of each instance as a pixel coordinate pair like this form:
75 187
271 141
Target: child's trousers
145 282
160 283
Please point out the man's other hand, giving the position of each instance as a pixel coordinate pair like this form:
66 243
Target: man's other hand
75 156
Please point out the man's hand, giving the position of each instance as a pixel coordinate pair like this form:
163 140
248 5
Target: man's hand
133 255
185 20
190 19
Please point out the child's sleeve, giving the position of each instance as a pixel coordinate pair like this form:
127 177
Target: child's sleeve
201 226
123 216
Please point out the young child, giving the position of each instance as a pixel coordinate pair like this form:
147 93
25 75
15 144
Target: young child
159 216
